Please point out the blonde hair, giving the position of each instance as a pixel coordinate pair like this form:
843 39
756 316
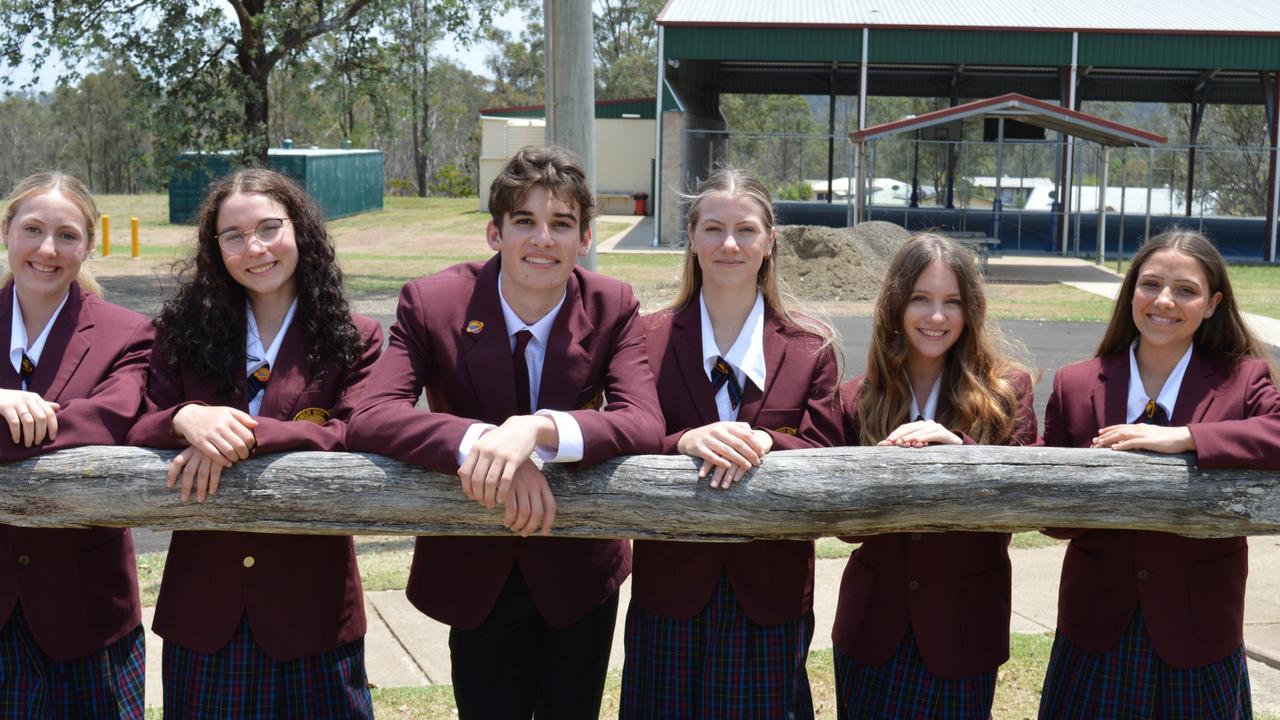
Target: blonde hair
736 183
976 375
68 187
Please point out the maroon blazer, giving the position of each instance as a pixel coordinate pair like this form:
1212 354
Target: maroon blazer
772 579
1191 591
301 592
953 589
78 588
450 338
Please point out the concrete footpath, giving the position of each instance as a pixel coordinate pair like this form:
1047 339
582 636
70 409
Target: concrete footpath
404 648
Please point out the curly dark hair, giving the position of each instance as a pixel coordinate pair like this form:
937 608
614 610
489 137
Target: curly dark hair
206 316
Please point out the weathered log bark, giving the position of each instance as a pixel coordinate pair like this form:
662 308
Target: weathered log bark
800 494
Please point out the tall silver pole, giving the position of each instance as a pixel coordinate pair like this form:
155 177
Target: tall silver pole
571 89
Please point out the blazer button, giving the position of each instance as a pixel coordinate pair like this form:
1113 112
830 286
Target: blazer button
248 561
24 559
913 585
1143 574
915 537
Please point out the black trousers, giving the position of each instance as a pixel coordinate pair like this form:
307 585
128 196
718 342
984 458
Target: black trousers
515 666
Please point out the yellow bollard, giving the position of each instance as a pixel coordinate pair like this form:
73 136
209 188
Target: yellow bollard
133 232
106 235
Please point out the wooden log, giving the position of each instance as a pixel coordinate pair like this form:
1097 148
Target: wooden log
796 494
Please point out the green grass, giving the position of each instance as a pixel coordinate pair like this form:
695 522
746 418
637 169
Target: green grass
150 570
384 561
835 549
151 209
1009 301
460 216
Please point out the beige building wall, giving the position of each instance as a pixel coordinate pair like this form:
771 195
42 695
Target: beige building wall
624 156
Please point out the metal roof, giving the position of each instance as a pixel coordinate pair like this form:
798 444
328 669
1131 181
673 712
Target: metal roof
1026 110
1235 17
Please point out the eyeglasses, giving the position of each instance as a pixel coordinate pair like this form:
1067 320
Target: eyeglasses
267 232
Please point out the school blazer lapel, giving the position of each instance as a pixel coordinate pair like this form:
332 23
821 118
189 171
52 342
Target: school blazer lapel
686 339
775 349
1199 386
567 362
289 376
487 356
1111 395
67 345
9 378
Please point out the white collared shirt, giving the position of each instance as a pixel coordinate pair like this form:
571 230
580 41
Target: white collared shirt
18 342
930 403
1168 395
745 356
535 355
256 356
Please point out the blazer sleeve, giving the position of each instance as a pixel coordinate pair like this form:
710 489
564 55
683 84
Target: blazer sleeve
106 414
387 420
275 435
631 421
1024 427
820 426
165 396
1252 442
1055 435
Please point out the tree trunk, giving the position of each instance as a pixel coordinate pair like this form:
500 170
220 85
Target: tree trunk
794 494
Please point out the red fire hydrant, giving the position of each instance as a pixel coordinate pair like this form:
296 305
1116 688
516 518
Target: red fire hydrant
640 198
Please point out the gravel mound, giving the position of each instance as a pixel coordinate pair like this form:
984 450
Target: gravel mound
835 264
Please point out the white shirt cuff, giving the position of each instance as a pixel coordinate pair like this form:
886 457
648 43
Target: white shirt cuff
469 438
570 433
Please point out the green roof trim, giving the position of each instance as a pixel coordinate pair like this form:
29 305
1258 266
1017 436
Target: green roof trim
763 43
972 47
1187 52
629 108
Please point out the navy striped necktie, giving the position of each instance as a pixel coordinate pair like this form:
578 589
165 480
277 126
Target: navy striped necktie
258 380
28 369
1152 414
722 374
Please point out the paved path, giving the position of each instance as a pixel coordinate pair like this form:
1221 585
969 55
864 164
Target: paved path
404 648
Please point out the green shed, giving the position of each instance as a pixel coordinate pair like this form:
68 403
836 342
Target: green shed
344 182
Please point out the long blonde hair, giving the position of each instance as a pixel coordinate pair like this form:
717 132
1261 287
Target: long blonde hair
68 187
982 401
734 182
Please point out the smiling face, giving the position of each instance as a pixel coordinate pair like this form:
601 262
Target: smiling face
731 240
1170 300
933 320
540 242
265 271
47 241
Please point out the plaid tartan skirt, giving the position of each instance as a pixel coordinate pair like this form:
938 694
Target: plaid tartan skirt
904 687
241 681
105 684
1131 681
717 664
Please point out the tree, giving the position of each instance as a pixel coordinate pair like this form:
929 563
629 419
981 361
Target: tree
211 61
518 66
626 47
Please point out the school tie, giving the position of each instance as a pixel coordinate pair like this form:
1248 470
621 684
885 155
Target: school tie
258 380
28 369
1152 414
521 369
722 374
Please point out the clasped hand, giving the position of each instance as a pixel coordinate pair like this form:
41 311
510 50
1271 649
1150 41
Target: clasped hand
31 418
498 470
1156 438
919 434
728 450
217 437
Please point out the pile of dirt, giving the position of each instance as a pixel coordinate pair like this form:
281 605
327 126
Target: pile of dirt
835 264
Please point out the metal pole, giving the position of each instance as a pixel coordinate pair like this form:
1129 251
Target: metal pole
1104 158
571 91
1124 192
1151 178
1070 164
997 205
657 142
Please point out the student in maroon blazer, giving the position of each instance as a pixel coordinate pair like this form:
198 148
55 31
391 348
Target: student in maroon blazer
71 641
723 630
1177 371
923 618
258 625
491 343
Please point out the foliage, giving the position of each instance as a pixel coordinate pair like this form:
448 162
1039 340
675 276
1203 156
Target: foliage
774 137
517 66
452 181
798 190
626 47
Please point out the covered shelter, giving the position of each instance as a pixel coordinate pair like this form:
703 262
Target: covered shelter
1065 54
1010 106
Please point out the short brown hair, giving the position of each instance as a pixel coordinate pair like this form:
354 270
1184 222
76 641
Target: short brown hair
552 167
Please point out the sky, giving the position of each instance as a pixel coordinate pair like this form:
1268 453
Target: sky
471 57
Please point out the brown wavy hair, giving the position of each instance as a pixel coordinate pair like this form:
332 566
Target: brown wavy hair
69 187
975 378
553 168
204 326
734 182
1225 332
